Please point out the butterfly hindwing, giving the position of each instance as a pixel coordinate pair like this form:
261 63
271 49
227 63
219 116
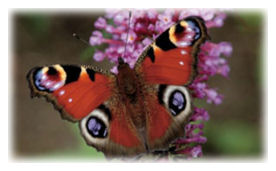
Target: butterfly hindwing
169 110
110 130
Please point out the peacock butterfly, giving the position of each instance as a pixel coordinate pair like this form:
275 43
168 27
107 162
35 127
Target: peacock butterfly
139 110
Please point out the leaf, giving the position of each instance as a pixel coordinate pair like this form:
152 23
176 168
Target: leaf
106 34
38 24
88 53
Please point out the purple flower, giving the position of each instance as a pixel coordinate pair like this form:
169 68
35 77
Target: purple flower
199 114
131 37
213 96
217 20
191 152
142 29
196 151
213 49
223 70
96 38
100 23
114 70
147 41
165 20
121 17
98 56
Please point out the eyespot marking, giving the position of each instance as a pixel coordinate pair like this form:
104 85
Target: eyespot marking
52 71
176 99
177 102
96 127
47 79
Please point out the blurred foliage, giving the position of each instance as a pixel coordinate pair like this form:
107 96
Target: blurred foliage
81 151
88 53
106 34
254 22
252 19
38 24
232 138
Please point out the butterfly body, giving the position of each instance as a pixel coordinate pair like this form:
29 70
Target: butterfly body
128 82
139 110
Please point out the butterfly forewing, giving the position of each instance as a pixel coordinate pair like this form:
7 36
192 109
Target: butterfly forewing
172 58
74 90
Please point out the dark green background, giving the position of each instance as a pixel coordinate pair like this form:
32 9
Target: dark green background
235 128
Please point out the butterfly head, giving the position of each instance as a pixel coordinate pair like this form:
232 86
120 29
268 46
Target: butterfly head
121 61
122 64
126 78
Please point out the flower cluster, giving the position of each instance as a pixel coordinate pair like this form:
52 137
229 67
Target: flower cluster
211 63
127 38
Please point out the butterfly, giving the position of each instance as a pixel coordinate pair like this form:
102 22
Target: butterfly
139 110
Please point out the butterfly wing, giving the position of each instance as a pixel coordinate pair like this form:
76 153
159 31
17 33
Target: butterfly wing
171 59
116 135
88 95
74 90
168 64
169 108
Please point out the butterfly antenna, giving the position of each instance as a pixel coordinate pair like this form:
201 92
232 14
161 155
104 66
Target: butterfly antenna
129 18
81 39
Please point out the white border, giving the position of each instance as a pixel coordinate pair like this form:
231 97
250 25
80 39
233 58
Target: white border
270 83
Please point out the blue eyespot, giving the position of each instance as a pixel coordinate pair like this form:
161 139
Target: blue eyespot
177 102
195 28
38 79
47 81
96 127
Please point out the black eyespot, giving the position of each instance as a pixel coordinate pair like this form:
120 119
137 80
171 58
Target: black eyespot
96 127
177 102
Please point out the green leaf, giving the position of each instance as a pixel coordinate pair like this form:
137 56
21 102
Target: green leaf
106 34
110 22
38 24
88 53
